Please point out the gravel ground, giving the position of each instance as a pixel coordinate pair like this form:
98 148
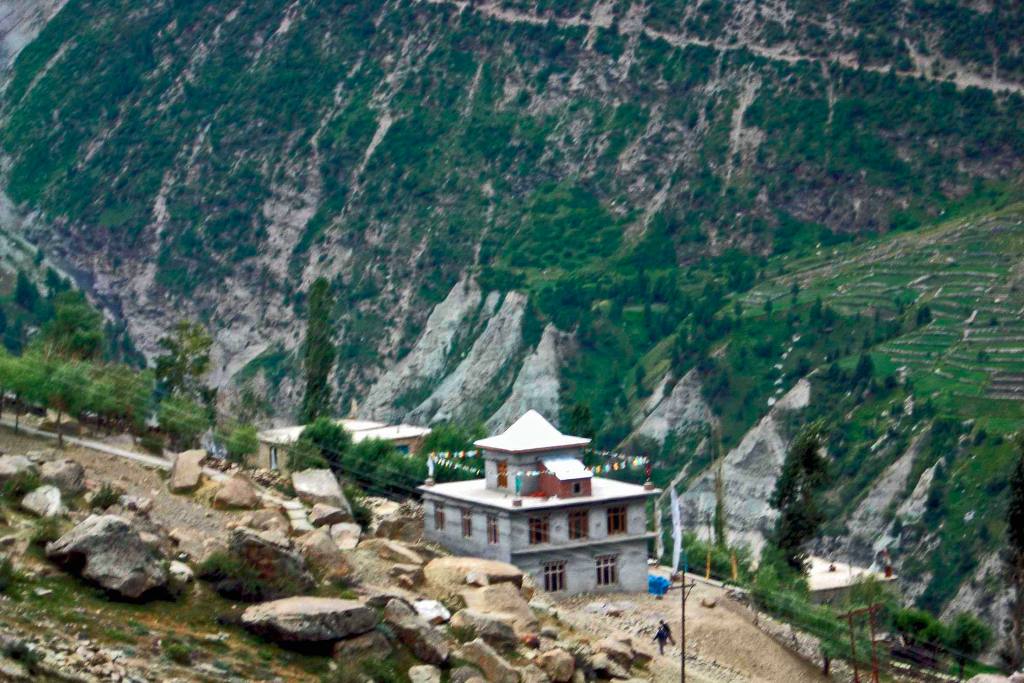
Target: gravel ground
722 643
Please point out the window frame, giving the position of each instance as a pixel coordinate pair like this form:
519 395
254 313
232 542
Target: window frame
618 520
607 570
493 535
467 522
439 520
554 576
579 529
539 530
502 474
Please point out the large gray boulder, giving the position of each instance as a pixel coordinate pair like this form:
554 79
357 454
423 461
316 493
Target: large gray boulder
422 639
494 630
67 475
481 655
309 619
323 553
107 550
12 466
187 471
45 501
320 486
328 515
237 493
274 559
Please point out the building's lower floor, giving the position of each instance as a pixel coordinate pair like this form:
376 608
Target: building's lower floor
584 569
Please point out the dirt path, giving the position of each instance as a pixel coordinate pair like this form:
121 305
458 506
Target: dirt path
962 77
722 643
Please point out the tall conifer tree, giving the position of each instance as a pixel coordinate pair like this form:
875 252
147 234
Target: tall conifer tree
318 352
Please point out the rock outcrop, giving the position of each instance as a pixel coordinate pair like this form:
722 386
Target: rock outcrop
107 550
273 558
12 466
309 619
449 575
684 409
537 385
237 493
503 601
67 475
44 501
420 637
323 554
495 630
483 656
187 471
320 486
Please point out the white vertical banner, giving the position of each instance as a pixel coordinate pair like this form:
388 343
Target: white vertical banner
677 531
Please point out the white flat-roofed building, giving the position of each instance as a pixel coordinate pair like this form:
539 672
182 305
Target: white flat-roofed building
541 509
274 443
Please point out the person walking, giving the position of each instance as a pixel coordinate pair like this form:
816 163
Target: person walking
664 633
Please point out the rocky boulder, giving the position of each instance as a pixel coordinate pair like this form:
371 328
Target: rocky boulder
393 551
346 534
494 630
327 515
272 557
425 642
320 486
432 611
323 554
12 466
372 643
493 665
449 575
44 501
267 519
309 619
404 523
424 673
503 601
237 493
67 475
106 549
187 471
558 664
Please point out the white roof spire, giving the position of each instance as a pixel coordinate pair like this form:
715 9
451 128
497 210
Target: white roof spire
531 433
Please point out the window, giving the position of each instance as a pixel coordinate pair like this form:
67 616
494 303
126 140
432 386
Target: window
502 474
577 488
467 522
538 530
554 576
438 517
607 570
492 529
579 524
273 458
617 520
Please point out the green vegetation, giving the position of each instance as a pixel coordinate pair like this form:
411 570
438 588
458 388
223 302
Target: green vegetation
796 497
317 353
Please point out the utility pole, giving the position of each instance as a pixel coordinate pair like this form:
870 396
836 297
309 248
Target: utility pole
684 593
870 611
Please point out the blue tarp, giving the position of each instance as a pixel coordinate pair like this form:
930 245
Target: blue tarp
657 585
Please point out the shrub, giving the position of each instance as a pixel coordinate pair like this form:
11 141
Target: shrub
107 495
176 651
238 580
18 485
47 530
8 575
356 500
154 443
241 442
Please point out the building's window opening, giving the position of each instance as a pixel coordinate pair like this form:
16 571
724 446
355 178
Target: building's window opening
438 517
607 570
492 529
579 524
538 530
502 474
617 520
467 522
554 577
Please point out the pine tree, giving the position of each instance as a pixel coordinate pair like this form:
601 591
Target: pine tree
1015 557
796 497
318 352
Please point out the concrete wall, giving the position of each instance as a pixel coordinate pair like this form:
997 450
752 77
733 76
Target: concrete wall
558 522
451 537
526 462
581 566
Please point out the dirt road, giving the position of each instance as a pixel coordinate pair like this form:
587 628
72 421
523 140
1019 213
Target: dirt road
722 642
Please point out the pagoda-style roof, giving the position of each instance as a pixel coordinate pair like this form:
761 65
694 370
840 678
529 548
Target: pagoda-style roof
531 434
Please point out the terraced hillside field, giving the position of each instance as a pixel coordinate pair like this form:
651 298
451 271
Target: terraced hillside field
964 279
